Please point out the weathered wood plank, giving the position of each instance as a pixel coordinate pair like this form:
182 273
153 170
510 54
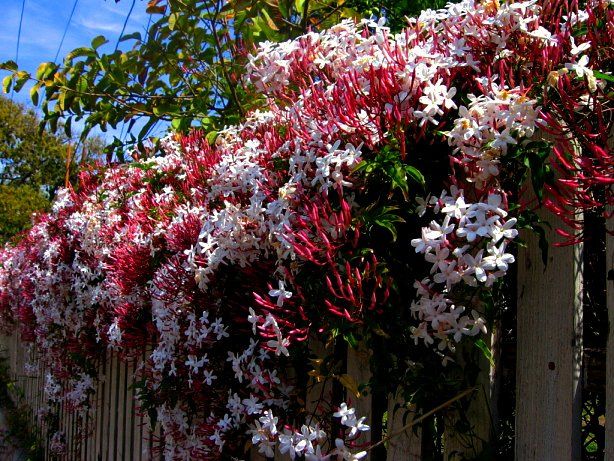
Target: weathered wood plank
120 431
406 446
609 418
114 405
359 369
107 409
549 356
131 422
100 406
469 445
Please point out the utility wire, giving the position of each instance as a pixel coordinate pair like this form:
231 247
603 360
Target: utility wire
125 24
72 12
148 23
23 7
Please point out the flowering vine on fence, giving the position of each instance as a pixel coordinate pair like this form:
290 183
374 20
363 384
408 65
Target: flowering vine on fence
225 258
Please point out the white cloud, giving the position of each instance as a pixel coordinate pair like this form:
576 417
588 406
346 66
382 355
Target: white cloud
103 26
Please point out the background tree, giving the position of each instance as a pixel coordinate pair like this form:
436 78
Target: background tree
33 165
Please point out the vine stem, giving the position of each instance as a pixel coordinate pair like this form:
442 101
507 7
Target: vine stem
423 417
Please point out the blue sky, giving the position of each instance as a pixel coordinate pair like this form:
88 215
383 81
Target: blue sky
44 22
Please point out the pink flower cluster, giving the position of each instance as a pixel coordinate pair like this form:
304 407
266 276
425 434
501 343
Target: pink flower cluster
467 248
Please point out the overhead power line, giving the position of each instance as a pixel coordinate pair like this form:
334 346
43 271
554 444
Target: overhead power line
23 7
72 12
125 24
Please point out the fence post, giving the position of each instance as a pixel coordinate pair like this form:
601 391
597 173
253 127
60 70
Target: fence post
609 401
549 354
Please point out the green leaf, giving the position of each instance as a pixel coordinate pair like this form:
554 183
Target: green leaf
299 5
543 244
211 137
68 127
145 130
541 172
351 340
350 384
269 20
283 9
133 36
79 52
386 217
164 108
34 94
415 174
398 178
9 65
481 345
602 76
530 220
98 41
45 70
7 83
22 77
172 21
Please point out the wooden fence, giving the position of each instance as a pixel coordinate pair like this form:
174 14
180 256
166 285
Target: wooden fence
549 380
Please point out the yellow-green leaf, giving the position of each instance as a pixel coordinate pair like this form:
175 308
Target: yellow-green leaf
34 94
45 70
7 83
211 137
269 20
172 21
299 5
98 41
350 384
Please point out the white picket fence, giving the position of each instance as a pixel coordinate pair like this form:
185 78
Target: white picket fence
548 380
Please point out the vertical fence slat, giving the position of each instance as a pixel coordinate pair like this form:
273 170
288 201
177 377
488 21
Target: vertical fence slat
407 445
62 419
130 421
478 415
142 425
106 409
93 442
609 408
40 403
358 368
101 389
111 407
70 439
122 388
87 435
549 352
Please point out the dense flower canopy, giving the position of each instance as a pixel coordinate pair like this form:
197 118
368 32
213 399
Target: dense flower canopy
225 258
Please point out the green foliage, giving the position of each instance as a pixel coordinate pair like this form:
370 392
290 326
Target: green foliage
391 166
17 204
32 166
186 70
28 157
